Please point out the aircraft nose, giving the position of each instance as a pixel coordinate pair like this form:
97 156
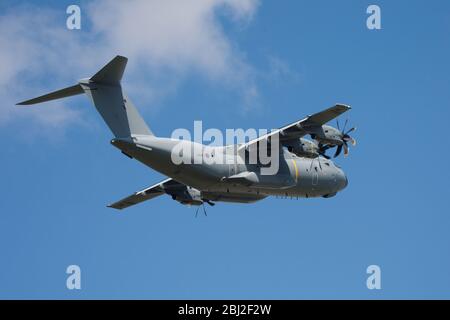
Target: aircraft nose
342 180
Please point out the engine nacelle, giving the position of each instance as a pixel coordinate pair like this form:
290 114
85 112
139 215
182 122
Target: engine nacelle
188 196
327 135
303 148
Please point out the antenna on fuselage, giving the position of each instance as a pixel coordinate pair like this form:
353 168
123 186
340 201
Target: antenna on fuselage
312 161
204 210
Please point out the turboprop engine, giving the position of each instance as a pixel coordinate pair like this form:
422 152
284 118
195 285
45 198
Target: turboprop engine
329 137
303 148
188 196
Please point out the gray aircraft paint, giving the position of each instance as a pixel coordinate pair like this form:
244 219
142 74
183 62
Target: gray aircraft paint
308 175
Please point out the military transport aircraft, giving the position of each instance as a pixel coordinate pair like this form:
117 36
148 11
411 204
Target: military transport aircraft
304 170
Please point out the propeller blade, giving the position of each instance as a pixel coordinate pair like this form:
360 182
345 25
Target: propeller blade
351 130
345 149
345 139
345 125
323 149
337 123
338 151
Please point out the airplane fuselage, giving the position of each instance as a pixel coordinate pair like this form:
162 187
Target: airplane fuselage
294 168
295 177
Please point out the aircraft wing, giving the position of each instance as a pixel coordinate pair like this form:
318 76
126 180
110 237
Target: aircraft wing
149 193
302 127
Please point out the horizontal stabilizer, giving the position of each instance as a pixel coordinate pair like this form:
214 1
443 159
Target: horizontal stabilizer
111 102
66 92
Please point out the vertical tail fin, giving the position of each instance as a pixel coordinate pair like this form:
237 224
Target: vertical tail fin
105 91
112 73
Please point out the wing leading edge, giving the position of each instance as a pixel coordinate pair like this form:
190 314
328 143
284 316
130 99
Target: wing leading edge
302 127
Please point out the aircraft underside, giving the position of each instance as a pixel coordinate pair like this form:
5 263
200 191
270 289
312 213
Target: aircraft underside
299 178
302 168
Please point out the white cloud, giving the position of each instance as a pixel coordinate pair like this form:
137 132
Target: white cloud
26 56
178 35
280 70
169 38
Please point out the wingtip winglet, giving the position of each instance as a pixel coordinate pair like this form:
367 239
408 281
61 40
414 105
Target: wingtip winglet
113 207
23 103
343 105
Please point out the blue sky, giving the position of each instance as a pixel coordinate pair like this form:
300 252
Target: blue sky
273 63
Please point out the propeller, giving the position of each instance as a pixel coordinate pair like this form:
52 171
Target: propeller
346 138
322 149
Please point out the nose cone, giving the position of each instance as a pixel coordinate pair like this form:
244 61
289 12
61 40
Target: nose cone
342 180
